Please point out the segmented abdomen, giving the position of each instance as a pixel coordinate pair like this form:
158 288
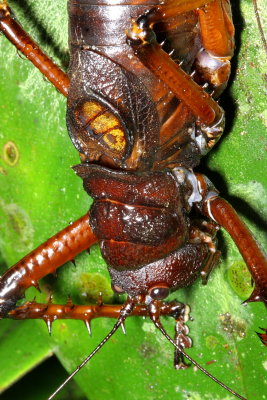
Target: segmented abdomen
139 218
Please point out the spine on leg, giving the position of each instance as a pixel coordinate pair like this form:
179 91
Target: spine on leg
45 259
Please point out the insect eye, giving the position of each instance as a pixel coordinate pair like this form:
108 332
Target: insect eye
117 289
159 292
102 124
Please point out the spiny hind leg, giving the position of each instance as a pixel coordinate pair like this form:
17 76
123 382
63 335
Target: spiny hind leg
50 312
45 259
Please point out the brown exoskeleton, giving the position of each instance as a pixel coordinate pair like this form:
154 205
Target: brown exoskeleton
135 160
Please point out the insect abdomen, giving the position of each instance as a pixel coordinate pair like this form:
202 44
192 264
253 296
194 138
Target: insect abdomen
134 211
143 229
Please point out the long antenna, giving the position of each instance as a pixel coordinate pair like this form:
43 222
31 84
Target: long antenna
125 311
259 24
160 327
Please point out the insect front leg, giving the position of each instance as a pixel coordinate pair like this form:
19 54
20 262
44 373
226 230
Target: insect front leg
212 67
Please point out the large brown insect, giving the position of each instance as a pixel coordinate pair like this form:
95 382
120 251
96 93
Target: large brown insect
150 147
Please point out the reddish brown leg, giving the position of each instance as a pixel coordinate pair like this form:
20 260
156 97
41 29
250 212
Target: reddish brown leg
23 42
180 83
143 40
174 7
51 312
181 116
220 211
217 29
209 116
212 64
45 259
263 336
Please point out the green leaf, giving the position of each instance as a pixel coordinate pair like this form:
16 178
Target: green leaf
40 194
18 354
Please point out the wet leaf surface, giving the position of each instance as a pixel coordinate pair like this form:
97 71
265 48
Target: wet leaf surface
40 194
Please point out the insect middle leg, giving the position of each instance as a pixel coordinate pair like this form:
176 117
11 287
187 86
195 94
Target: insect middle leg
220 211
27 46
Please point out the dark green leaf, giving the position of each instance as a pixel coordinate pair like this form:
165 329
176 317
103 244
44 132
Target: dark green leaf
40 194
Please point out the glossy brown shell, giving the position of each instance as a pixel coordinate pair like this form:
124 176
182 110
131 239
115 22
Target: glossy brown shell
104 67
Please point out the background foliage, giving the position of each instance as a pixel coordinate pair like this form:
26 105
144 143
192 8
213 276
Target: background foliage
39 195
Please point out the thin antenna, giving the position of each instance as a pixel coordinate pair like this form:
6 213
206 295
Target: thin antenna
259 24
160 327
125 311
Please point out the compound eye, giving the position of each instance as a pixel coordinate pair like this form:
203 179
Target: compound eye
117 289
159 292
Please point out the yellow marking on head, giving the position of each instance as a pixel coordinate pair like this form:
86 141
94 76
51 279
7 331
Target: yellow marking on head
104 122
115 139
92 109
